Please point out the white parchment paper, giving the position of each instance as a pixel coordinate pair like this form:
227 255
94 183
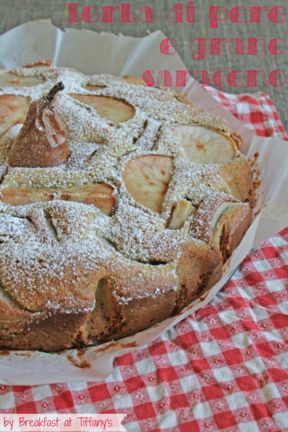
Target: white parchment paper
92 53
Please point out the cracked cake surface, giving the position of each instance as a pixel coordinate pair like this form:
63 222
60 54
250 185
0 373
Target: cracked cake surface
130 221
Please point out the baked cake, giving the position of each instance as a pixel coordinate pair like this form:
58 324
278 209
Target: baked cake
120 204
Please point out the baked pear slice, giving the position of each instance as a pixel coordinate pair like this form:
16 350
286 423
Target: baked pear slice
12 79
204 145
147 179
180 213
222 220
93 87
13 110
101 195
112 109
134 80
39 63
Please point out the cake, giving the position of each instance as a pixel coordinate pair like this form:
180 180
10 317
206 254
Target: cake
119 205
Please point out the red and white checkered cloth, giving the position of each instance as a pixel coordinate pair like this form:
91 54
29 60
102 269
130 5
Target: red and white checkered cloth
225 367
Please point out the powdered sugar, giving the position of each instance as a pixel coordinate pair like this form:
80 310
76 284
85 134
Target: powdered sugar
53 254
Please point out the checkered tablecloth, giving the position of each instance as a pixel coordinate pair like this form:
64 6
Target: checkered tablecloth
225 367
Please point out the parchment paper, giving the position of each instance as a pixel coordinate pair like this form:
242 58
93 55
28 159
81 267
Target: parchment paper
90 53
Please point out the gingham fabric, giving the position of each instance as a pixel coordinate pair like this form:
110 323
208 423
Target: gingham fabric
224 368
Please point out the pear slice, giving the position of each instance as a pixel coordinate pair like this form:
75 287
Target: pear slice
131 79
112 109
11 79
13 110
204 145
94 86
39 63
101 195
147 179
180 213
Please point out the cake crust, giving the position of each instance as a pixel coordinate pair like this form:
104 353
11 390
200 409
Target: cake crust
134 223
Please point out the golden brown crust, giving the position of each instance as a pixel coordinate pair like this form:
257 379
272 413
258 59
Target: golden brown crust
54 333
124 233
223 221
183 98
198 269
238 175
232 228
39 63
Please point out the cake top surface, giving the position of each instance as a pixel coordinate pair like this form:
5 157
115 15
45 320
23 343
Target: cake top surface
141 161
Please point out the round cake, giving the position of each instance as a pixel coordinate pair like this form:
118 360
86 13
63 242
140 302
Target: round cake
119 205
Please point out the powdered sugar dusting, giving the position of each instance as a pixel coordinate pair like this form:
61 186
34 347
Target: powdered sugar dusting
53 254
